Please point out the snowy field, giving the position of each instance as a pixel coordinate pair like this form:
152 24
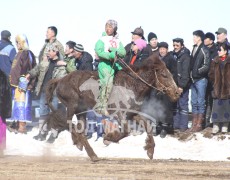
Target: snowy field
198 148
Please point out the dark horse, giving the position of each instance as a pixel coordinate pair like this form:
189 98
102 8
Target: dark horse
136 81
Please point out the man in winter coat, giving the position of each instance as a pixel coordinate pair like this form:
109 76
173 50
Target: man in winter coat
50 42
45 71
84 60
182 58
7 52
200 63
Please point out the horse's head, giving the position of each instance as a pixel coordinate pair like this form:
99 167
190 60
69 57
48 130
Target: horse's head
163 79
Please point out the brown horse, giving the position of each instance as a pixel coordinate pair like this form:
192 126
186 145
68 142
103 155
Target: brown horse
78 92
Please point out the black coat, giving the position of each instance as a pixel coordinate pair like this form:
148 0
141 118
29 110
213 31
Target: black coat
171 64
5 96
200 63
213 51
183 67
85 62
141 55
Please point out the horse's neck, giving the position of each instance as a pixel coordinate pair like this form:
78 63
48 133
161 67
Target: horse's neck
132 82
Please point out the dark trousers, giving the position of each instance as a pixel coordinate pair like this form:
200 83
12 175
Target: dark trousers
180 111
209 104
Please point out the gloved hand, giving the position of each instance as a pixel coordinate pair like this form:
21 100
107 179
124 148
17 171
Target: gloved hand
112 49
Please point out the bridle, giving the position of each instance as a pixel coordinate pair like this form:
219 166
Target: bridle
162 88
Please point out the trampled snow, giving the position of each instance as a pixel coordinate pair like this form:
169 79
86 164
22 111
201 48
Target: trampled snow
198 148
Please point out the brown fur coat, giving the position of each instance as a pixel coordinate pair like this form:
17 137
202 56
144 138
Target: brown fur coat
220 78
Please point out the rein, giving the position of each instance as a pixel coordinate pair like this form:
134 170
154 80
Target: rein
163 87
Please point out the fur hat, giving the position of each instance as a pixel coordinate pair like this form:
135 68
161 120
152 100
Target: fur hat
139 31
141 44
151 35
199 33
210 36
78 48
22 39
163 44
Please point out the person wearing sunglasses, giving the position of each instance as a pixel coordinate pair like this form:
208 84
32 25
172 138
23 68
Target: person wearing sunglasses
180 109
219 76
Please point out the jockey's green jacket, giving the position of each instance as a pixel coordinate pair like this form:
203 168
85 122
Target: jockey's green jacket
106 49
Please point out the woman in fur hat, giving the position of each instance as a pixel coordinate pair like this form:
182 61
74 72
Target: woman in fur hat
21 93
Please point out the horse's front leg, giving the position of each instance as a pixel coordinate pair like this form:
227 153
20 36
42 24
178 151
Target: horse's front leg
81 140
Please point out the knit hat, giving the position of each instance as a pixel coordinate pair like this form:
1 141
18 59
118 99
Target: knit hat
78 48
199 33
139 31
210 36
221 30
163 44
5 34
113 23
151 35
141 44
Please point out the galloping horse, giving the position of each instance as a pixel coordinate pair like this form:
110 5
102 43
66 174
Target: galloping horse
136 81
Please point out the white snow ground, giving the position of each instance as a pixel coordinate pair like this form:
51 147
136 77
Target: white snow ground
199 148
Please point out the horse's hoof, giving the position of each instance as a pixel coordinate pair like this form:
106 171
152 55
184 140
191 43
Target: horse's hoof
106 142
94 158
150 153
79 146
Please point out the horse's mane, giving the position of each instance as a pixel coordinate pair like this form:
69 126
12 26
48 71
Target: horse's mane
152 62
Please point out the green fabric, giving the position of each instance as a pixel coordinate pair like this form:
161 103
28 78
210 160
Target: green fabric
106 75
70 64
105 69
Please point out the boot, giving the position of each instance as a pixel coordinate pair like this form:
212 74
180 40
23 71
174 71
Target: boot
225 127
13 127
198 126
194 122
215 128
22 127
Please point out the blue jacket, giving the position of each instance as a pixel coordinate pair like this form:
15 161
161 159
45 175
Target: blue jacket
7 55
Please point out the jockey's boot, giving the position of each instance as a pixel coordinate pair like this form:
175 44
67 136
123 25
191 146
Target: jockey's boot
22 127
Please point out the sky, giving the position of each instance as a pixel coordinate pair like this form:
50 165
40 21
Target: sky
84 21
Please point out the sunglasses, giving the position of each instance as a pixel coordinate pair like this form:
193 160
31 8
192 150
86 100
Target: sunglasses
176 45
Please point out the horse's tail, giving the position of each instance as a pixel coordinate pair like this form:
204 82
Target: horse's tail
51 86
